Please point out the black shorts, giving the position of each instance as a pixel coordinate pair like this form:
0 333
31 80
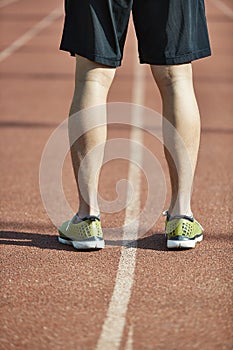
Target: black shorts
168 31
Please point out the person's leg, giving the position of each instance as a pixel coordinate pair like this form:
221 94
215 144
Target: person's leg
180 109
92 83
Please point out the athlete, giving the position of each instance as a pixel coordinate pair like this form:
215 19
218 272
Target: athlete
171 34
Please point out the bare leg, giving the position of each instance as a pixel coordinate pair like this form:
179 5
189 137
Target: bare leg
180 109
92 83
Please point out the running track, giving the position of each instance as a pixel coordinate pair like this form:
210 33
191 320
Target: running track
124 297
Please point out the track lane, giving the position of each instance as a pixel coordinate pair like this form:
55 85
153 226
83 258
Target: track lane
59 290
33 31
4 3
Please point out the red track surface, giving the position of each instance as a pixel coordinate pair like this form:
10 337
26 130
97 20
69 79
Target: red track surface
53 297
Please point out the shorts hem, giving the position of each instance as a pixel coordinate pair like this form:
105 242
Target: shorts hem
111 62
182 59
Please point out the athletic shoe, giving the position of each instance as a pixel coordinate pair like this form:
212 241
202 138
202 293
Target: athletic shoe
182 231
85 233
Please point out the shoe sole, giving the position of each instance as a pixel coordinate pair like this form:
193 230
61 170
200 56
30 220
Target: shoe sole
83 244
186 244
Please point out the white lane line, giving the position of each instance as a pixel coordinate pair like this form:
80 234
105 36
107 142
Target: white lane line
4 3
36 29
114 324
129 343
223 8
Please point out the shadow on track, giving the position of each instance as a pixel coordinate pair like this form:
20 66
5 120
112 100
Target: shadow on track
49 241
153 242
29 239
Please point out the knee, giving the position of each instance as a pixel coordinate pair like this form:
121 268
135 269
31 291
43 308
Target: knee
91 71
167 77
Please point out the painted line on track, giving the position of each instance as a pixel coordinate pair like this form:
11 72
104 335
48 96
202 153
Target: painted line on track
129 343
115 320
4 3
31 33
223 8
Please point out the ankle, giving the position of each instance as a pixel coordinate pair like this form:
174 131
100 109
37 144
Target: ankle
180 212
84 213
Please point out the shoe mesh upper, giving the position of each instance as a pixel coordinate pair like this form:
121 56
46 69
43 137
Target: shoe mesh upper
183 227
82 230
